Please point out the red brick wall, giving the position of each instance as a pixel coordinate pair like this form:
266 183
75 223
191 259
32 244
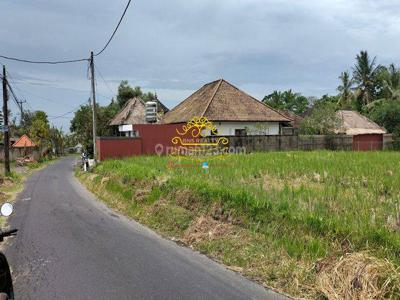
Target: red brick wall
116 147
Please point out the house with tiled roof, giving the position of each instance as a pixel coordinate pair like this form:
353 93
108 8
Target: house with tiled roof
24 142
25 147
232 111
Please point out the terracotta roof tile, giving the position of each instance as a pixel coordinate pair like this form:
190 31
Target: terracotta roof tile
24 142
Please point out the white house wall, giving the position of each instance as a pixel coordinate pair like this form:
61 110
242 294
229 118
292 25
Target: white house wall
256 128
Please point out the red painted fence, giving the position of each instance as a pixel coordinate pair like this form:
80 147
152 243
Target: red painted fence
154 135
117 147
153 139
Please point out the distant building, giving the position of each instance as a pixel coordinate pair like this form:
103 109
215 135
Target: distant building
232 111
134 113
24 142
294 125
24 146
367 135
78 148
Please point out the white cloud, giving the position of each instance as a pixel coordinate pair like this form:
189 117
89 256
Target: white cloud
174 47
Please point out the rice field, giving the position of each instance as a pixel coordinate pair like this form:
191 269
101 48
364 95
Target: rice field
285 219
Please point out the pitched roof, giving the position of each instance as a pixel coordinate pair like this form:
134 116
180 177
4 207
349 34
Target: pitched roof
134 112
24 142
221 101
296 119
162 109
354 123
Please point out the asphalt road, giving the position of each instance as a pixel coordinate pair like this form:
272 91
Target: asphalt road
70 246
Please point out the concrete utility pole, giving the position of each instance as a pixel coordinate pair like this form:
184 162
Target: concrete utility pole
93 104
6 133
21 108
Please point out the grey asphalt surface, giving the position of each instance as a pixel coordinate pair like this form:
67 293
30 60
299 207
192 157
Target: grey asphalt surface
71 246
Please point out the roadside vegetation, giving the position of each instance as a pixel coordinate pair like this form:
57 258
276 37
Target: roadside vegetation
49 139
310 224
369 88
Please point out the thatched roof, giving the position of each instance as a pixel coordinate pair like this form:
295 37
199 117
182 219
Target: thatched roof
221 101
134 112
162 109
296 120
353 123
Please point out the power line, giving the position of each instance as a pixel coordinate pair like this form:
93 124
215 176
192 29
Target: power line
115 30
30 106
15 98
20 102
101 76
16 83
71 60
67 113
19 80
43 62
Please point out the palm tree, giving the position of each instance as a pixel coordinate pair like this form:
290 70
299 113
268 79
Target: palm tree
364 74
345 90
390 78
274 100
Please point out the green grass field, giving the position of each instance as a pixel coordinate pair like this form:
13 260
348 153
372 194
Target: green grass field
286 219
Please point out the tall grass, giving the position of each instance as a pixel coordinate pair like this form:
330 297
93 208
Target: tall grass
307 205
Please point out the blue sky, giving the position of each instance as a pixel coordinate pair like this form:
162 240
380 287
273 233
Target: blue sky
174 47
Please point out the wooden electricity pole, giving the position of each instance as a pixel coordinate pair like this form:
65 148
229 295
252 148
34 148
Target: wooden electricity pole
93 104
5 130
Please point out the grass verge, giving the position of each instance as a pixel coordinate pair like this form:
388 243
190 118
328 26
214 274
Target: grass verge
287 220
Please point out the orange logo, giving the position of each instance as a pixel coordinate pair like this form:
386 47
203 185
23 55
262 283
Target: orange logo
199 138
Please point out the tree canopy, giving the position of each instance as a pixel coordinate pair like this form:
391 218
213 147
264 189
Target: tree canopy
372 89
81 124
365 76
287 100
345 90
126 92
37 126
322 120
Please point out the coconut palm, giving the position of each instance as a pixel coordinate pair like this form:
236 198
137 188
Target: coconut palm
364 74
389 82
390 78
345 90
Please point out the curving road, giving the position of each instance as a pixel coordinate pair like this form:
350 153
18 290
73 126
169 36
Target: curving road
70 246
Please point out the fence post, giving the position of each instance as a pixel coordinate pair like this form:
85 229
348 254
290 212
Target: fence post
280 142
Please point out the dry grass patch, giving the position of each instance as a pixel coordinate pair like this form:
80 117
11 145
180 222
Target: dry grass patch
206 228
358 276
272 183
